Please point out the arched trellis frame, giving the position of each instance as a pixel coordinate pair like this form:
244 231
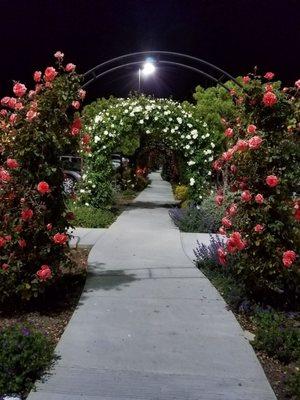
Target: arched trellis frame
105 68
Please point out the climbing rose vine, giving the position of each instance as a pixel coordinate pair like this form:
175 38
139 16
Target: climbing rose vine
37 126
261 167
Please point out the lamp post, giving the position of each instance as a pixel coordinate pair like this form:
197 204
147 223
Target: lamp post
148 69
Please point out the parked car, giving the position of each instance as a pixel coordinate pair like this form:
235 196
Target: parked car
72 166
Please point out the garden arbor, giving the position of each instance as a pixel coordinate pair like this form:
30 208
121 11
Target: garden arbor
128 123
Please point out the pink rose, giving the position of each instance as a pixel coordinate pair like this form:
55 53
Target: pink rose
12 102
297 84
269 99
228 132
219 199
59 55
226 222
288 258
81 94
70 67
246 196
222 230
259 228
272 180
49 227
233 169
31 115
13 118
246 79
217 165
259 198
222 256
255 142
19 89
76 105
242 145
12 163
19 106
251 129
5 101
37 76
232 209
5 267
4 175
44 273
269 75
50 74
22 243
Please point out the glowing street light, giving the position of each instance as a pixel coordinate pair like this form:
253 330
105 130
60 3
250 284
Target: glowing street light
148 69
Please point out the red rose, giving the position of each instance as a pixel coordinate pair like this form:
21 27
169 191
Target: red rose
59 55
242 145
19 89
22 243
269 75
60 238
219 199
2 241
251 129
86 138
269 99
255 142
259 198
44 273
288 258
50 74
70 67
37 76
76 126
259 228
12 163
26 214
246 196
43 187
81 94
76 104
272 180
228 132
246 79
226 222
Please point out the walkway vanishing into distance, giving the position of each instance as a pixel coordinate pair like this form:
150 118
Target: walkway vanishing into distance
149 325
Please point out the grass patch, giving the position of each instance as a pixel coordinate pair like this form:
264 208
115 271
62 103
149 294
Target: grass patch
90 217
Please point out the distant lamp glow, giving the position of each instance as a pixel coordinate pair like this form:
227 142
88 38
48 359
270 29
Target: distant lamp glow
148 68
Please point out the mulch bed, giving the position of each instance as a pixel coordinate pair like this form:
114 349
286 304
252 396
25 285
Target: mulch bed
52 319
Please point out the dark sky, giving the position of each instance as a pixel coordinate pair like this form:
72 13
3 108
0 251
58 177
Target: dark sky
236 35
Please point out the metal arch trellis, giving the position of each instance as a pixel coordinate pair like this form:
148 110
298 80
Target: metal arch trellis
96 73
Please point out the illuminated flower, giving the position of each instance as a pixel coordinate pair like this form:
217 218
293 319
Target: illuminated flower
50 74
269 99
288 258
59 55
246 79
43 187
259 198
272 180
44 273
19 89
269 75
251 129
37 76
70 67
76 104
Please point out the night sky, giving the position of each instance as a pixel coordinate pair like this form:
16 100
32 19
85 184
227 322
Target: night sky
236 35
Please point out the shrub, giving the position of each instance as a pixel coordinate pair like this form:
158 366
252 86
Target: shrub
276 336
181 192
260 168
90 217
35 130
25 355
293 384
193 219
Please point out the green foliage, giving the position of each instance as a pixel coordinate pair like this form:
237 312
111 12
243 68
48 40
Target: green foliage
271 149
39 133
24 356
276 336
126 124
293 384
91 217
210 209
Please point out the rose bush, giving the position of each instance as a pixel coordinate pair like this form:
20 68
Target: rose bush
261 167
35 130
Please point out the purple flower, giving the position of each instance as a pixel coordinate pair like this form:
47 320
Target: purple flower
25 332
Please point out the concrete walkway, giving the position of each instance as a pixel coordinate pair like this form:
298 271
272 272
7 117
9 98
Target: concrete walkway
149 325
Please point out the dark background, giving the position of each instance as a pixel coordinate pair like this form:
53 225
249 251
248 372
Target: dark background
236 35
